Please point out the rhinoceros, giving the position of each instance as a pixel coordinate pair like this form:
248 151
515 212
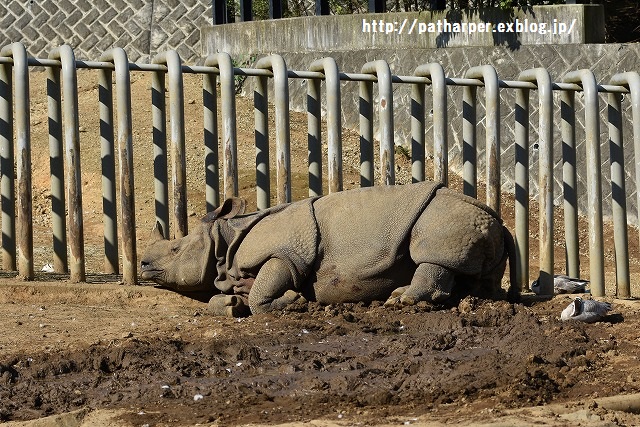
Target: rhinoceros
401 244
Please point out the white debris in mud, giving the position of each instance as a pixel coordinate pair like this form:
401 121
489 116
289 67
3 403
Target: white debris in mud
198 397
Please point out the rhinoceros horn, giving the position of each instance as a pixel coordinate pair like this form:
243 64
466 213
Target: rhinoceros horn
157 233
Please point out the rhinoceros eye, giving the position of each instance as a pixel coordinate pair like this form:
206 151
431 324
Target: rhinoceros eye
175 248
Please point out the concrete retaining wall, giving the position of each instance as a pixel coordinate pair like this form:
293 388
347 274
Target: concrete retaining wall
562 24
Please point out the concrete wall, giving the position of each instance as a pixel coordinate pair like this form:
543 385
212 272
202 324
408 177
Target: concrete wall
488 27
142 27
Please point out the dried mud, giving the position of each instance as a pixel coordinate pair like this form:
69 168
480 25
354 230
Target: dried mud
161 360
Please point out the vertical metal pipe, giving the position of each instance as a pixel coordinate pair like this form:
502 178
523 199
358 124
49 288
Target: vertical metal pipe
618 194
229 133
56 166
261 111
631 80
210 121
545 179
125 148
72 155
108 159
23 142
522 188
435 73
160 155
366 134
417 132
334 121
283 132
469 147
7 176
314 137
488 75
178 156
382 71
569 182
545 175
593 170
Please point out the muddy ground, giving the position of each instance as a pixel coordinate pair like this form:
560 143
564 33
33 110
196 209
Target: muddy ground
106 354
156 358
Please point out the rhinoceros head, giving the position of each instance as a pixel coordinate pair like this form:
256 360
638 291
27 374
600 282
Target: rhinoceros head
185 264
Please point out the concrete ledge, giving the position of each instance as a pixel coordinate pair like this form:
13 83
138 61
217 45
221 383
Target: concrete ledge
559 24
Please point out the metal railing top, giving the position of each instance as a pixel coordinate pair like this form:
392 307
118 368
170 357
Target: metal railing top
298 74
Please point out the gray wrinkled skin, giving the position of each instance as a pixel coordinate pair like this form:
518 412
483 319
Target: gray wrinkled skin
399 244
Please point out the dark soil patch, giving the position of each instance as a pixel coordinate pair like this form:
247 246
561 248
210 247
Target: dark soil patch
356 362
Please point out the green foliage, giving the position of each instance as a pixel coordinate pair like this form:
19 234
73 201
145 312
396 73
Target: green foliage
342 7
260 9
502 4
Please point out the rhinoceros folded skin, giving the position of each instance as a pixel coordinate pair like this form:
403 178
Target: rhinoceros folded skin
403 244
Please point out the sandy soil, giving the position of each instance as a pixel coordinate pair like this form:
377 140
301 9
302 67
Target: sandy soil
105 354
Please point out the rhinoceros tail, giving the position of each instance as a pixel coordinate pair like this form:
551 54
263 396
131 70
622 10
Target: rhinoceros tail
513 295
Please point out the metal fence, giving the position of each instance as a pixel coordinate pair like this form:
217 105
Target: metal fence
222 14
218 72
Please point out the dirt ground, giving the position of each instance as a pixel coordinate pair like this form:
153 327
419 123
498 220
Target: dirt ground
101 353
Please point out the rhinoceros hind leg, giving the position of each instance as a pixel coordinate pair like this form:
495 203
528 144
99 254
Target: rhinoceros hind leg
431 283
228 305
273 288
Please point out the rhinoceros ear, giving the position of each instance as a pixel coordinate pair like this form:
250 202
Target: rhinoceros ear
229 209
157 232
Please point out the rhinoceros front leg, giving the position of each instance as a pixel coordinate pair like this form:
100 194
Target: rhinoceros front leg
228 305
431 283
273 288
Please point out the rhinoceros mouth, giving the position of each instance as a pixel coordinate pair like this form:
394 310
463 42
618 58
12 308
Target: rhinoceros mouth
151 274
